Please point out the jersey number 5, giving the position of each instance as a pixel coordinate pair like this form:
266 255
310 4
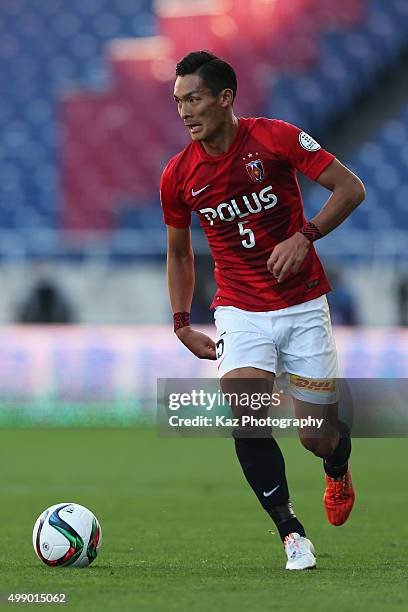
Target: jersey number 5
249 240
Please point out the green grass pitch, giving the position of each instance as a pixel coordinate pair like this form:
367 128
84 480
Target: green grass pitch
182 530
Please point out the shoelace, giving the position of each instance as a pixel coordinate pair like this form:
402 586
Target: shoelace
293 547
340 487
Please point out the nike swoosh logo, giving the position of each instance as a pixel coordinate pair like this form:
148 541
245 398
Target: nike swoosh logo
195 193
268 493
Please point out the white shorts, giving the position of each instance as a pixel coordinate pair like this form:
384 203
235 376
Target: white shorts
296 343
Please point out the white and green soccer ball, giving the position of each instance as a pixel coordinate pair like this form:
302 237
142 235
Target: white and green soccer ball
67 534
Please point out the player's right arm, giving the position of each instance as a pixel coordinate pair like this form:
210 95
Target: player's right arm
180 280
180 263
180 268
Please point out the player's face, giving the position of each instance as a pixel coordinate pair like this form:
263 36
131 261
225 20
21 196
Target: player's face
202 113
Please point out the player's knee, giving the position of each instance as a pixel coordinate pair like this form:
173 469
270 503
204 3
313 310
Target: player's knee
321 447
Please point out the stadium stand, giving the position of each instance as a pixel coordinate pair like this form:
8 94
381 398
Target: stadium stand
382 164
85 86
345 66
47 49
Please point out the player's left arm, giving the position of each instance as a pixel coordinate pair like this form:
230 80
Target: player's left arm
347 193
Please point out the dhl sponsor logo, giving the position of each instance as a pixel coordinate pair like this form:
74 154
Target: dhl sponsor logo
313 384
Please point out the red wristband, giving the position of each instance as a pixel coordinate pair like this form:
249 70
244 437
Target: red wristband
310 231
181 319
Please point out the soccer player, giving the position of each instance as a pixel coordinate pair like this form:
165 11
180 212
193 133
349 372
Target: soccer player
239 176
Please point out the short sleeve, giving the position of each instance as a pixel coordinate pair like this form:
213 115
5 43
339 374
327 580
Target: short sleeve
175 211
300 149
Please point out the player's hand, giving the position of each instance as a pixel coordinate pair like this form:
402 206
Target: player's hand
198 343
287 257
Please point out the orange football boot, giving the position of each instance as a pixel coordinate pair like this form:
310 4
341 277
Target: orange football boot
338 498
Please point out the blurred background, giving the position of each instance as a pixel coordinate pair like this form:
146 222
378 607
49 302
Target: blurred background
87 123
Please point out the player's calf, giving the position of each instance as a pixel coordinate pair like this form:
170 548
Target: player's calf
321 447
264 468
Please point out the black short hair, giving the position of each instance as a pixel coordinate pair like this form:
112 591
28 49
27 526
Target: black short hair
214 72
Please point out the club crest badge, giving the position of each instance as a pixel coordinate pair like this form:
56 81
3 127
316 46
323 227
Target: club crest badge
254 168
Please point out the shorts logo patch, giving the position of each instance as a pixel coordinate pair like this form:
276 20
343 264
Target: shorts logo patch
219 348
322 385
308 143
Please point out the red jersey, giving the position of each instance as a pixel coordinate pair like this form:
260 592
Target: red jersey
248 200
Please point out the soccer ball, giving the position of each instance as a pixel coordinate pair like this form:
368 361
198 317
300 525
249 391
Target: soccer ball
67 534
